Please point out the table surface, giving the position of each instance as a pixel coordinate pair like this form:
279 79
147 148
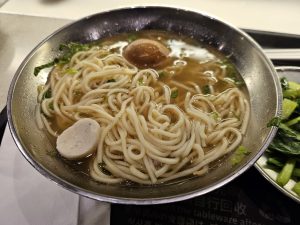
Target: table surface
23 24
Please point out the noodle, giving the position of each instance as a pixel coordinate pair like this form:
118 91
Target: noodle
146 136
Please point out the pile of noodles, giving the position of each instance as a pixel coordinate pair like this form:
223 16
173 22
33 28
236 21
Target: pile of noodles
144 137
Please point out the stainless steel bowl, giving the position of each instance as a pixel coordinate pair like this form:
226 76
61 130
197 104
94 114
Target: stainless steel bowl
256 70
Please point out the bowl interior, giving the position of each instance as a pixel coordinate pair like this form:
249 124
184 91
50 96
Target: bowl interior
257 71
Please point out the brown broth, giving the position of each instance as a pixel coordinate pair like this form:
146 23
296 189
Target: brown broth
195 70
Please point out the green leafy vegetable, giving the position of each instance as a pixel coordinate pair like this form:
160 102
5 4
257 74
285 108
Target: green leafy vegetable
240 153
275 161
284 83
174 94
140 81
275 121
232 72
293 121
296 172
215 115
291 93
71 71
48 94
111 80
284 151
131 37
68 51
206 89
162 74
51 106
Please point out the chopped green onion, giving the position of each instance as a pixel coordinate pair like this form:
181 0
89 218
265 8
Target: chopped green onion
69 50
275 162
290 93
215 115
239 155
47 65
140 81
71 71
206 89
131 38
161 74
48 94
174 94
284 83
51 106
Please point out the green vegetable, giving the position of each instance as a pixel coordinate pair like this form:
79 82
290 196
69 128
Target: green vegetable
284 151
275 121
293 85
239 155
71 71
51 106
215 115
232 73
296 172
288 107
140 81
68 51
284 83
296 188
286 132
275 161
48 94
230 69
291 93
174 94
293 121
47 65
131 37
206 89
161 74
111 80
286 172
